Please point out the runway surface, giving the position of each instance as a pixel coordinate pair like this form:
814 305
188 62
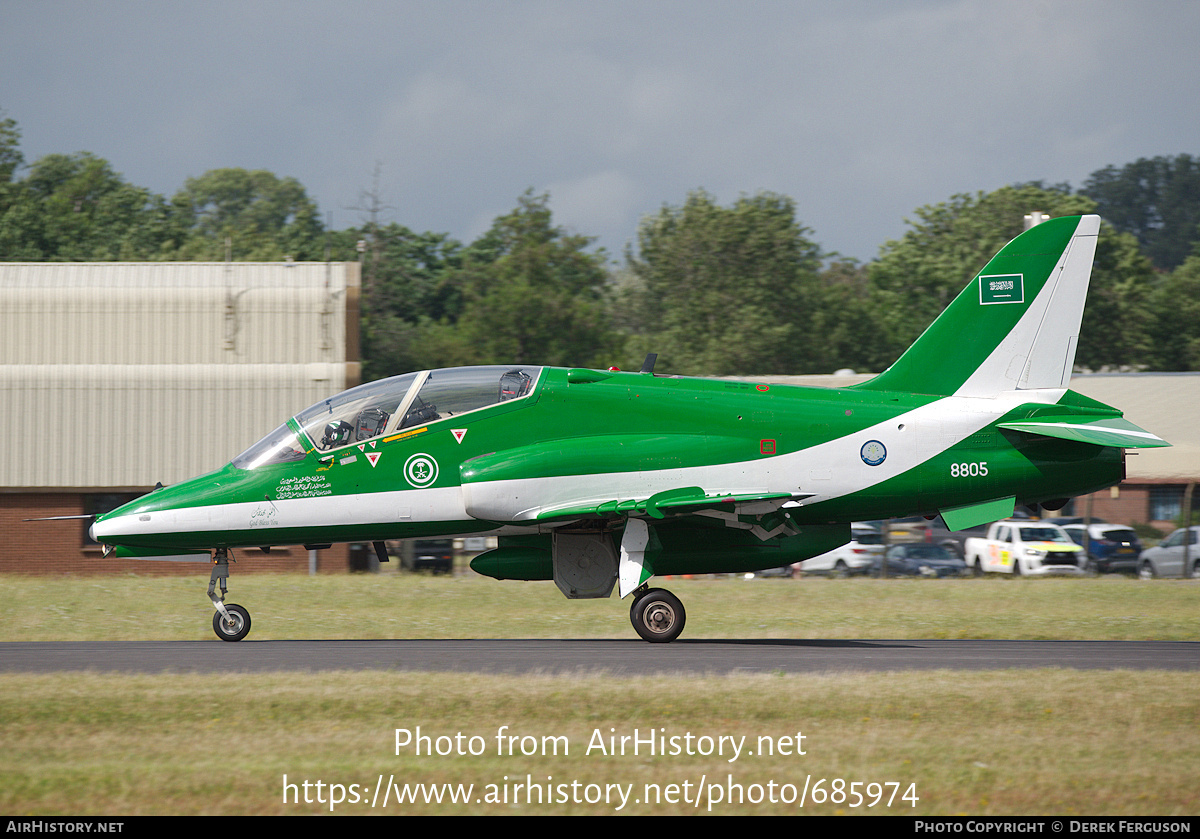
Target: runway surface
630 657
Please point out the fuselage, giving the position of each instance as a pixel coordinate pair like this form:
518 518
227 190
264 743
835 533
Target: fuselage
400 461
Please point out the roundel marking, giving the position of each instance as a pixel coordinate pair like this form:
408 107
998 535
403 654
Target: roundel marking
420 470
873 453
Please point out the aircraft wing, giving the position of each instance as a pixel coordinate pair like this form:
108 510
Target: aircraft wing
1109 431
681 501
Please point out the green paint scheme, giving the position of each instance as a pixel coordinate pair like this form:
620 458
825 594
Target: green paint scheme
721 476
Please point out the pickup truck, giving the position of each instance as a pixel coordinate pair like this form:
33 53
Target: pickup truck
1024 547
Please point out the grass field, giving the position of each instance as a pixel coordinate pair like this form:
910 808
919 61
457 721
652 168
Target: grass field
290 606
1055 742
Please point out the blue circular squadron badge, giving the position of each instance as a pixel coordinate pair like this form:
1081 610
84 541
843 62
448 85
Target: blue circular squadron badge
873 453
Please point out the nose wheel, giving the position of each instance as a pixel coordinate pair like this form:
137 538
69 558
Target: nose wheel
657 615
231 622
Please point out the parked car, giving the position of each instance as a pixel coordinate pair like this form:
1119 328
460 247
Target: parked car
1111 548
953 540
1023 547
436 555
1166 559
919 559
1065 520
854 557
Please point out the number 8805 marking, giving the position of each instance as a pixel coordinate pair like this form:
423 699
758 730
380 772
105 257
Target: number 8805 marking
969 470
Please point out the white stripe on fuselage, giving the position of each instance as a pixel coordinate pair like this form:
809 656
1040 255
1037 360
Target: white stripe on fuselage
417 505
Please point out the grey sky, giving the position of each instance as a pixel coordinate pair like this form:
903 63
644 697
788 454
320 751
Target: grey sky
860 111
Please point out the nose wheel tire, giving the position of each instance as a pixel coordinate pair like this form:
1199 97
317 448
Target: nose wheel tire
657 615
233 628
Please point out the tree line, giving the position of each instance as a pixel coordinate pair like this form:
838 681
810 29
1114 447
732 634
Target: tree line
741 289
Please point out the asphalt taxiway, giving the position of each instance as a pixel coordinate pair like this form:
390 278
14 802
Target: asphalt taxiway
631 656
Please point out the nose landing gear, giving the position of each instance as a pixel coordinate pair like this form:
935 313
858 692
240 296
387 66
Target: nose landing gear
232 622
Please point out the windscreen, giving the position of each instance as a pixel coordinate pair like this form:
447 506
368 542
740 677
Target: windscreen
357 414
1042 534
280 446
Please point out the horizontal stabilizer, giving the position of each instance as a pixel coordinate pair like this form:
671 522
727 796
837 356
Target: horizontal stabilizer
1111 431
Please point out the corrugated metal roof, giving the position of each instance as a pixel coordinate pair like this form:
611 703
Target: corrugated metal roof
124 374
103 426
174 313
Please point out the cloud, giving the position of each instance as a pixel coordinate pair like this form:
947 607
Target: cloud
860 111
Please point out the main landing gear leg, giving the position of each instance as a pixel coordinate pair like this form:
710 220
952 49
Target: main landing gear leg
232 622
657 615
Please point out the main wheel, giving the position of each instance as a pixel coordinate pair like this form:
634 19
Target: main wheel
1146 570
236 627
657 615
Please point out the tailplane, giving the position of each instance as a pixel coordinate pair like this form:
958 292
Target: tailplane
1014 327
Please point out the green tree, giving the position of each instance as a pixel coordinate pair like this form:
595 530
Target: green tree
10 153
1157 200
76 208
1116 332
847 318
263 217
725 290
526 292
1175 312
405 294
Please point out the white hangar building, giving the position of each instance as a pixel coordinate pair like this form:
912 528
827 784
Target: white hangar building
117 376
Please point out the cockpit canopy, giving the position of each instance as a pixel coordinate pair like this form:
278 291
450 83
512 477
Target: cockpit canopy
389 405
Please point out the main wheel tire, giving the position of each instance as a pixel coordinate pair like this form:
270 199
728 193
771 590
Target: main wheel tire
1146 570
234 629
657 616
840 570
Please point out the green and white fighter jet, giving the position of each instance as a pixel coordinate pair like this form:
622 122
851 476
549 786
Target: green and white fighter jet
599 478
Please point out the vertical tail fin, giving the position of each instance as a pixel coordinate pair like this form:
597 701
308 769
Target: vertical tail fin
1015 326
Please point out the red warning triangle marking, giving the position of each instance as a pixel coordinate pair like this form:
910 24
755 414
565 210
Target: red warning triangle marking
373 457
459 433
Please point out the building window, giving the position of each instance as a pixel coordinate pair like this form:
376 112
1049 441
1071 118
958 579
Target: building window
1166 503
